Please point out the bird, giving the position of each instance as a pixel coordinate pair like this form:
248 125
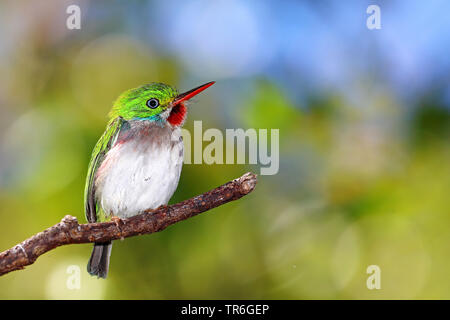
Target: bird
136 163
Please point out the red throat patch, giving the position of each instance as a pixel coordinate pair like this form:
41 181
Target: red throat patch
177 115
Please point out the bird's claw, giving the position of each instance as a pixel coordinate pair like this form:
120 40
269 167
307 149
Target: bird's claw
118 222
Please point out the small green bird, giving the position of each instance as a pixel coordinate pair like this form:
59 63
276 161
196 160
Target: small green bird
136 164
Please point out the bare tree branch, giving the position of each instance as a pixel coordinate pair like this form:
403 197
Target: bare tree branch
68 231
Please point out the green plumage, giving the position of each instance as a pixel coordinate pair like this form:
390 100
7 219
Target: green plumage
132 103
101 148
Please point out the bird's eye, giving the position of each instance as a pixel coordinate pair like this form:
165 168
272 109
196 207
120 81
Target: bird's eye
152 103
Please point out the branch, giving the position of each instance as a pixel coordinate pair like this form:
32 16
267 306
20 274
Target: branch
68 231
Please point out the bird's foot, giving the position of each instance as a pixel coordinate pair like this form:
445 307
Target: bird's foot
151 211
118 222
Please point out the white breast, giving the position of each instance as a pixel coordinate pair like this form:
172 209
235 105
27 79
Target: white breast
140 173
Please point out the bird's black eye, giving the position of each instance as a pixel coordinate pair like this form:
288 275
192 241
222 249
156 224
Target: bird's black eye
152 103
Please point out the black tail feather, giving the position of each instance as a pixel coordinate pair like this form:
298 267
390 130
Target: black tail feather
99 262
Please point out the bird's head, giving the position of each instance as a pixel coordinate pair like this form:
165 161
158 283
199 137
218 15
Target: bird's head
155 102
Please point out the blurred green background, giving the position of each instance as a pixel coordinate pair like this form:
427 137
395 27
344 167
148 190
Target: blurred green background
364 144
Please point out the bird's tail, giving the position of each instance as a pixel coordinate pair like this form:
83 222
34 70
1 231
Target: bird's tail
98 264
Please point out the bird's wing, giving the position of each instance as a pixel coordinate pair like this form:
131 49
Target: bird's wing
103 145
